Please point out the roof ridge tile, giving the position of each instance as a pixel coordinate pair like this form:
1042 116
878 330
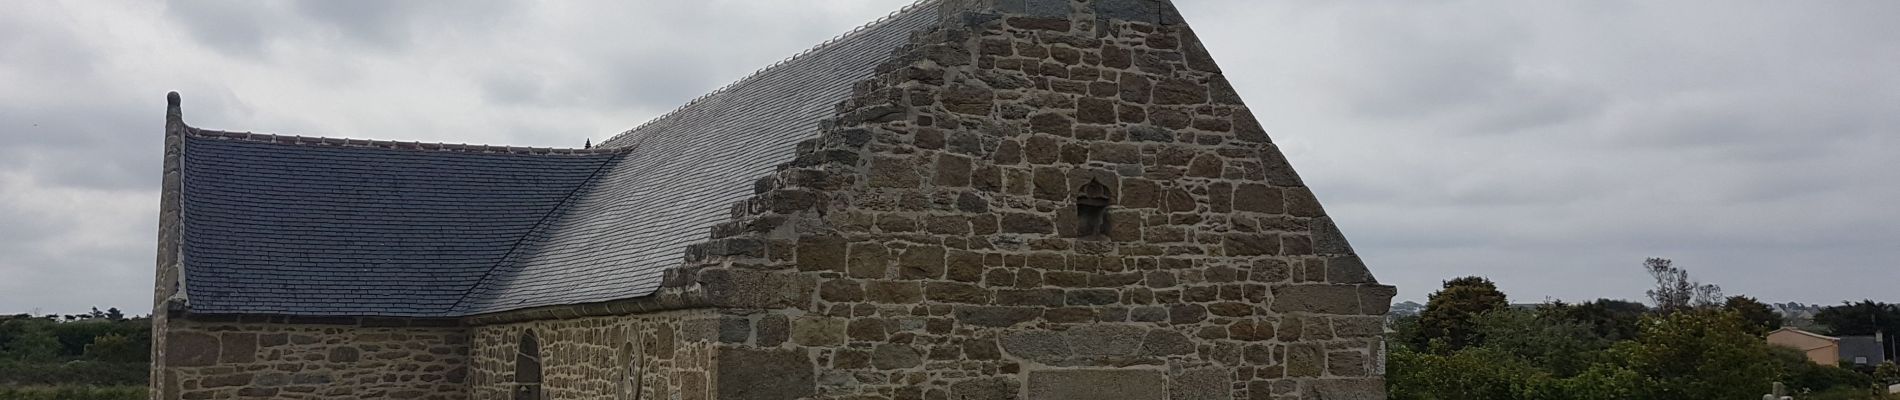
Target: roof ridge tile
323 141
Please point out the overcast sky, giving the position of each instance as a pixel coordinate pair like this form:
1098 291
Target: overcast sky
1549 146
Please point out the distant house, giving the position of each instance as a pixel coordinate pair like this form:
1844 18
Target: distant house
1829 350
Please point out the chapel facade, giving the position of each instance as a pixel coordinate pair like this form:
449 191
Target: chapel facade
969 199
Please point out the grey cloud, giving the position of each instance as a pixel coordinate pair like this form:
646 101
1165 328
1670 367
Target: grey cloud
232 26
1550 146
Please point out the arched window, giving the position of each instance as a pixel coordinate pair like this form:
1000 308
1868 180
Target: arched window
630 361
528 368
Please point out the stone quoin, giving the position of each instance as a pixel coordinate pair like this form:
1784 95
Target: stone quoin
969 199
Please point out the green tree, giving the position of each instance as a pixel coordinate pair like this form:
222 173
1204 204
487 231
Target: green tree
1562 347
1675 291
1610 319
115 347
1758 317
1860 319
1448 315
1700 355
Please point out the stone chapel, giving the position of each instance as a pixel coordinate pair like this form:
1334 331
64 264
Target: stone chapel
968 199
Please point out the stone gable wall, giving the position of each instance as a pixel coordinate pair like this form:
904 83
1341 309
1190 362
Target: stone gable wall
597 357
925 245
290 358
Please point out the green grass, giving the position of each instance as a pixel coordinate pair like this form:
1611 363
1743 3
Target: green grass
72 392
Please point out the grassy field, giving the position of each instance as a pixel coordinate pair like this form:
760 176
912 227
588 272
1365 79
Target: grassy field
72 392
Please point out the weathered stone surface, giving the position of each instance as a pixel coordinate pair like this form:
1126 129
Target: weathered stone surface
345 354
1165 342
773 330
895 356
754 374
1180 91
191 349
1096 384
1202 384
238 347
1305 359
894 172
818 331
995 316
985 389
1317 298
967 99
1345 389
1105 340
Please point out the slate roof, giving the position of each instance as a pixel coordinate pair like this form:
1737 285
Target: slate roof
323 229
1863 347
682 173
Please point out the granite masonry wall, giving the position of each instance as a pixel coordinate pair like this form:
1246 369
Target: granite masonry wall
1066 200
932 245
663 355
291 358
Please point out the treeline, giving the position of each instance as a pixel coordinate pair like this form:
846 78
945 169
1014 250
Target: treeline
1695 343
97 355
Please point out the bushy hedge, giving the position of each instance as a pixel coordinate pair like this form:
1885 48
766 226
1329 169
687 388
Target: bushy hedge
79 373
72 392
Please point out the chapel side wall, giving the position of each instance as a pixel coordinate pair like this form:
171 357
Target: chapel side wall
934 223
664 355
225 357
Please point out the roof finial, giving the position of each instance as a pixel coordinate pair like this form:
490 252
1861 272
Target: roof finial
589 145
172 113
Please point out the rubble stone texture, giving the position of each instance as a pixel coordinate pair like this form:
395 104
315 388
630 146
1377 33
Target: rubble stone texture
925 245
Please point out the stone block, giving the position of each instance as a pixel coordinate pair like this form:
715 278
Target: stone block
965 99
921 262
759 374
821 253
868 260
191 349
1346 363
238 347
895 356
1305 359
1202 384
951 292
773 329
1104 340
1162 342
894 172
995 316
1250 244
1254 197
1096 384
997 388
1317 298
893 292
818 331
1345 389
1144 11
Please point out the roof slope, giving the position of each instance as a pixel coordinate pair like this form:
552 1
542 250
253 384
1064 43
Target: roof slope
684 170
333 227
348 230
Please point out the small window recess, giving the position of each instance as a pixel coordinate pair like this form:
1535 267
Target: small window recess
1091 211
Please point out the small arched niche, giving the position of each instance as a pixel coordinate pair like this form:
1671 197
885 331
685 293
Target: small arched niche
528 367
1092 200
